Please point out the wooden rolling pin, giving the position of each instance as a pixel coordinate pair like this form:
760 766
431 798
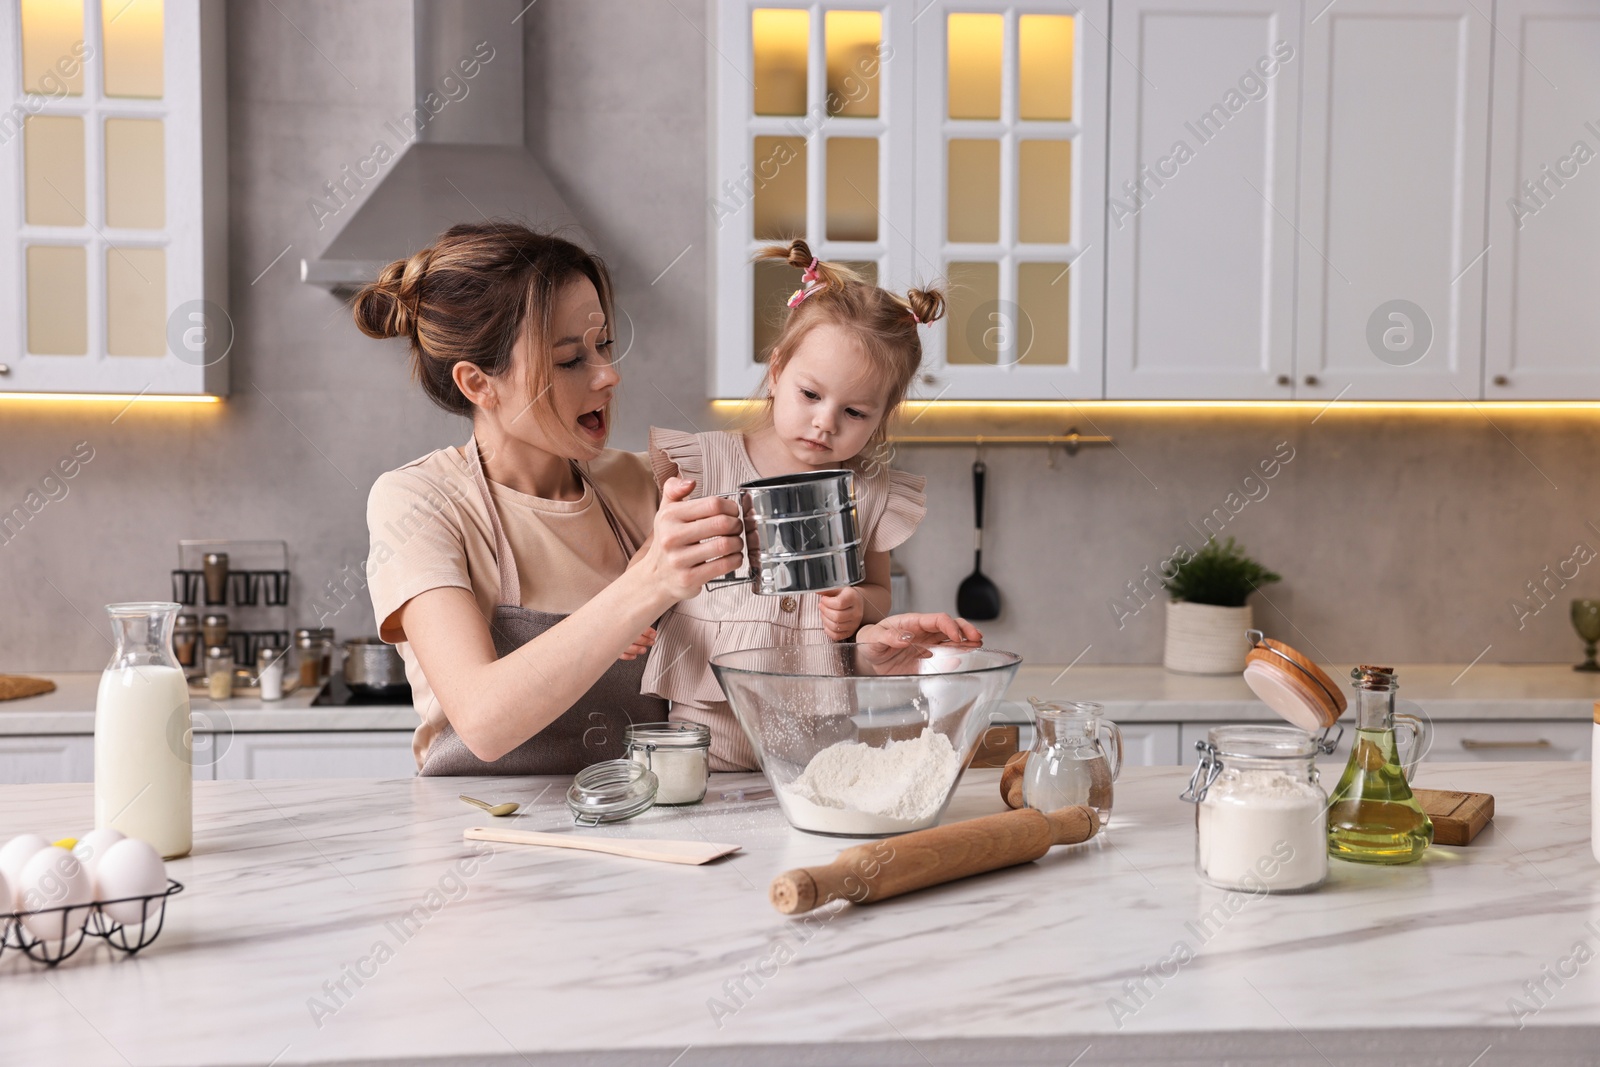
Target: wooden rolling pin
869 873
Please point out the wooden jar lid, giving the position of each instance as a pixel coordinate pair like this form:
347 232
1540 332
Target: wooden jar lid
1289 683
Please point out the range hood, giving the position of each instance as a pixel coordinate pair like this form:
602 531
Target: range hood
456 156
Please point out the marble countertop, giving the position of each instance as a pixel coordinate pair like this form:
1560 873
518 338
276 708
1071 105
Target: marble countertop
1131 694
343 922
70 710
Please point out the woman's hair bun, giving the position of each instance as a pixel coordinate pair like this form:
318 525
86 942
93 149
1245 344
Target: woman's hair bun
383 308
926 304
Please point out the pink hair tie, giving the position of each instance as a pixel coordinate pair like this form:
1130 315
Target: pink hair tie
914 316
810 283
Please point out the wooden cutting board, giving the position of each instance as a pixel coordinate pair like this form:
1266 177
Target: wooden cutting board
17 686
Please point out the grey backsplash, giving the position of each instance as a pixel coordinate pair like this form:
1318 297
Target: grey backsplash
1401 536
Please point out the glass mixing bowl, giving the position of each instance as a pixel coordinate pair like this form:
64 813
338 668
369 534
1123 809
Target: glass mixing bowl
859 740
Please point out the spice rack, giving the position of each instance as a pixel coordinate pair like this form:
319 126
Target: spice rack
254 592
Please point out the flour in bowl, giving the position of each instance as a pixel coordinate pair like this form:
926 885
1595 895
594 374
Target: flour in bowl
852 788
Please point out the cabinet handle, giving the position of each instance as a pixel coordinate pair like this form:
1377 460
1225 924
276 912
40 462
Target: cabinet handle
1312 379
1501 379
1284 379
5 368
1471 745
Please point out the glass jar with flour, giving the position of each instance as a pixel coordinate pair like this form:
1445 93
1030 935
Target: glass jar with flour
680 755
1261 818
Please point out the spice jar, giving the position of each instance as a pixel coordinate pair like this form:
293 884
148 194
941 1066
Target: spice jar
1261 819
214 629
215 569
186 641
269 672
308 657
679 753
326 648
219 672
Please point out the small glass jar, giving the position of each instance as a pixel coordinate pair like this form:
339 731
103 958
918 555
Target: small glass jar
308 658
680 755
219 672
269 672
214 629
186 642
327 648
611 791
1261 818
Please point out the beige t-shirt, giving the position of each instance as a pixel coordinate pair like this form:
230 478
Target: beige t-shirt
430 530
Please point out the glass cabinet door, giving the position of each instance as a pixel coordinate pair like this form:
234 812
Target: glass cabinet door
1010 196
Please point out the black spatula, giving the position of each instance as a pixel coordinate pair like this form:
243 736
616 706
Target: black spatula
978 599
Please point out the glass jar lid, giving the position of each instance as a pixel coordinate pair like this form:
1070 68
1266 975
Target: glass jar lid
1291 684
668 735
611 791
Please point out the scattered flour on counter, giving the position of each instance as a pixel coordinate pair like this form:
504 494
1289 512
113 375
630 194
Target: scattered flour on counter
855 788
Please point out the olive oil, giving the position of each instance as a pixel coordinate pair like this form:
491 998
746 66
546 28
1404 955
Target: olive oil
1373 816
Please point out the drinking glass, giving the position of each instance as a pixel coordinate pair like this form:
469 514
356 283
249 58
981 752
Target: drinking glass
1586 620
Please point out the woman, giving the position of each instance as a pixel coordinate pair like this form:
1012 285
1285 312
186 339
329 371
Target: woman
530 669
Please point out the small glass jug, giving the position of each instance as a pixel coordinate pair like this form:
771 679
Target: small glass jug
1075 757
1373 816
143 745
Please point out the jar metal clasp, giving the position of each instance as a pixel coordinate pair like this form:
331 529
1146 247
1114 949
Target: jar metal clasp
1205 773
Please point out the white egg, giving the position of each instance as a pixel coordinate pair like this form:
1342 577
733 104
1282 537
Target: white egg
54 878
7 898
130 868
15 856
92 845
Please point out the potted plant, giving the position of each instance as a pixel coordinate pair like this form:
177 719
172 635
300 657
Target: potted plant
1208 617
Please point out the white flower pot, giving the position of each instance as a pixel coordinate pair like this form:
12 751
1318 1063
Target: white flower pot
1206 639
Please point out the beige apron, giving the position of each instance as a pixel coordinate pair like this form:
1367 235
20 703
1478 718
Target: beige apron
592 729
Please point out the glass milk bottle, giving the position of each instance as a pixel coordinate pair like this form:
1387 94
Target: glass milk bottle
143 754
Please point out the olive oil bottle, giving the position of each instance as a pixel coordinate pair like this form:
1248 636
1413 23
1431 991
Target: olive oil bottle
1373 816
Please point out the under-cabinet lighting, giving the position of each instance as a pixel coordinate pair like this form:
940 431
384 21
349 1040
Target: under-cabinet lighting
1067 407
110 398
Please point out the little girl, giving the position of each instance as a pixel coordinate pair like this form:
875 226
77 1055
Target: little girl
841 365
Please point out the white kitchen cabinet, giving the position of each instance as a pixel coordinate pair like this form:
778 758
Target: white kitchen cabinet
353 754
1470 742
1200 242
1150 744
113 199
1393 157
30 760
1010 195
1544 202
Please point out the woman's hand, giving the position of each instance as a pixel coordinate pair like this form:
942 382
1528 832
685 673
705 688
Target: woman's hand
842 610
903 631
898 642
693 541
642 644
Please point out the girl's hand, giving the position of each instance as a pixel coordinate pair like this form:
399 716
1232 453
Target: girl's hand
642 644
841 612
903 631
693 541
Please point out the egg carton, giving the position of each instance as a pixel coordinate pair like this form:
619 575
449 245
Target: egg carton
94 923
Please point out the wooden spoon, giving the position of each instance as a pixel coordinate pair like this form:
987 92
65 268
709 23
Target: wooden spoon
690 852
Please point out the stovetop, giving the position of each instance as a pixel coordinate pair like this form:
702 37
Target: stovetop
336 694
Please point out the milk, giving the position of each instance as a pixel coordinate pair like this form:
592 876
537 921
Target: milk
143 757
